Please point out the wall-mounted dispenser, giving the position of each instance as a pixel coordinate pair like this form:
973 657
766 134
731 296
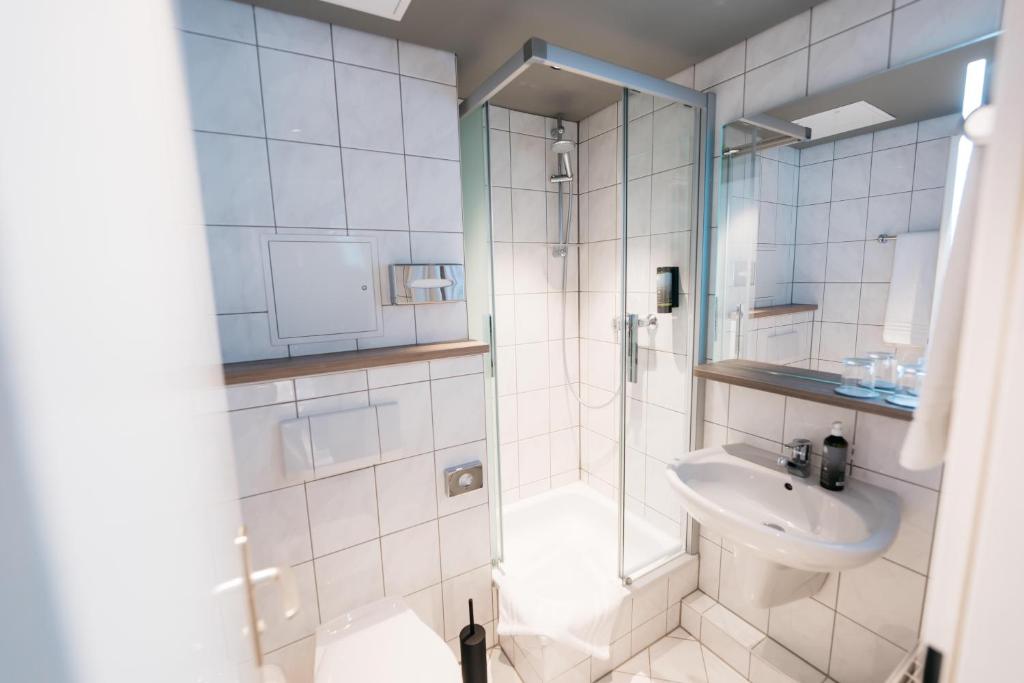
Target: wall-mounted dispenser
424 283
668 288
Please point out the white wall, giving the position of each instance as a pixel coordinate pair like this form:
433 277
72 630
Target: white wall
858 627
303 126
382 529
538 415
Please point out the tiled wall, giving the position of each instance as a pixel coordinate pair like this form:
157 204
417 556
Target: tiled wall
385 528
851 191
538 415
303 126
660 221
860 624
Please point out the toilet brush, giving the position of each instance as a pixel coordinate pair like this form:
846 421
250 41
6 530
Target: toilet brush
473 647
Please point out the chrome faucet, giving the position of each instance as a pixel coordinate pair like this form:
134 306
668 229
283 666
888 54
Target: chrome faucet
798 461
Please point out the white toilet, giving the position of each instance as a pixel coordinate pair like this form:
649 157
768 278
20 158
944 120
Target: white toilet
383 642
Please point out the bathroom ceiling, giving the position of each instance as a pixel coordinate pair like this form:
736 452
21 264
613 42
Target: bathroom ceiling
657 37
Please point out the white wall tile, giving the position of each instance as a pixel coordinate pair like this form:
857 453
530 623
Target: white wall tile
847 219
427 63
805 627
349 578
835 16
888 214
811 420
815 183
877 446
850 177
278 527
892 170
926 27
435 202
452 367
457 591
234 180
399 329
465 541
220 18
434 130
720 67
369 109
292 33
781 39
756 412
527 162
223 79
342 511
259 394
849 56
845 262
926 208
316 386
280 630
404 413
405 493
437 247
364 49
859 656
776 82
298 97
458 410
441 322
897 136
411 559
307 183
429 607
259 460
375 190
932 164
236 264
884 597
391 375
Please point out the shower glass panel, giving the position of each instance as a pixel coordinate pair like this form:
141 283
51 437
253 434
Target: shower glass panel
660 205
479 258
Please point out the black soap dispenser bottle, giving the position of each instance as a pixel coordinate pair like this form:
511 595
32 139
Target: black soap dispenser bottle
833 462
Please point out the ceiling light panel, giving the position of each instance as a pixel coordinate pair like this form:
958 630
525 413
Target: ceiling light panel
844 119
389 9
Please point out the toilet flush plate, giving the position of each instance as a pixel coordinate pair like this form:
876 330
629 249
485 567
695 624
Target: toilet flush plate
464 478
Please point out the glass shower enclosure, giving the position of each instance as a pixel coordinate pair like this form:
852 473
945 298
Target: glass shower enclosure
587 292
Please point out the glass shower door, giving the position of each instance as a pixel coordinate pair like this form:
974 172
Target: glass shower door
659 199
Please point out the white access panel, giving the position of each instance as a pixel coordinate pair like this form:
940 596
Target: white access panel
321 287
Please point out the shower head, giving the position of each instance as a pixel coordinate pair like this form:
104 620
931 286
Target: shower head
563 171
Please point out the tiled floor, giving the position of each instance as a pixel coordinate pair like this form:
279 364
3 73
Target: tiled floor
676 658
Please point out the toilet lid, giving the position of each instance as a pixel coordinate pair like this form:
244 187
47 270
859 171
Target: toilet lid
383 642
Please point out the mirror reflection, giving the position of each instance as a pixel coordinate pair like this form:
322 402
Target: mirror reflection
829 242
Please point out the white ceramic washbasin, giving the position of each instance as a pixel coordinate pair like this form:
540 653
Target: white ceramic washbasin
779 522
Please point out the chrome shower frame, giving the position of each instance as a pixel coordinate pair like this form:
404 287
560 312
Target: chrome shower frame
539 52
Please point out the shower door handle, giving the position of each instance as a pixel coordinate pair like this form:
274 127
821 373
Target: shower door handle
632 347
633 325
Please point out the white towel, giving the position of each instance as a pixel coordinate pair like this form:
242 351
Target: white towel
925 444
909 309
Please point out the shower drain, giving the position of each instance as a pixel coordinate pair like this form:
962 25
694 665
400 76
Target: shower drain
772 525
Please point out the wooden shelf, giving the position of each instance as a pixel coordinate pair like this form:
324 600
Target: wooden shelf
785 309
810 385
302 366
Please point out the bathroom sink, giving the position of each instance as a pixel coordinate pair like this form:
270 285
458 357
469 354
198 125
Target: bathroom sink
788 532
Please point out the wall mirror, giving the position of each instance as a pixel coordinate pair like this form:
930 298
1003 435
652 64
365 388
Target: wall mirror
831 233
